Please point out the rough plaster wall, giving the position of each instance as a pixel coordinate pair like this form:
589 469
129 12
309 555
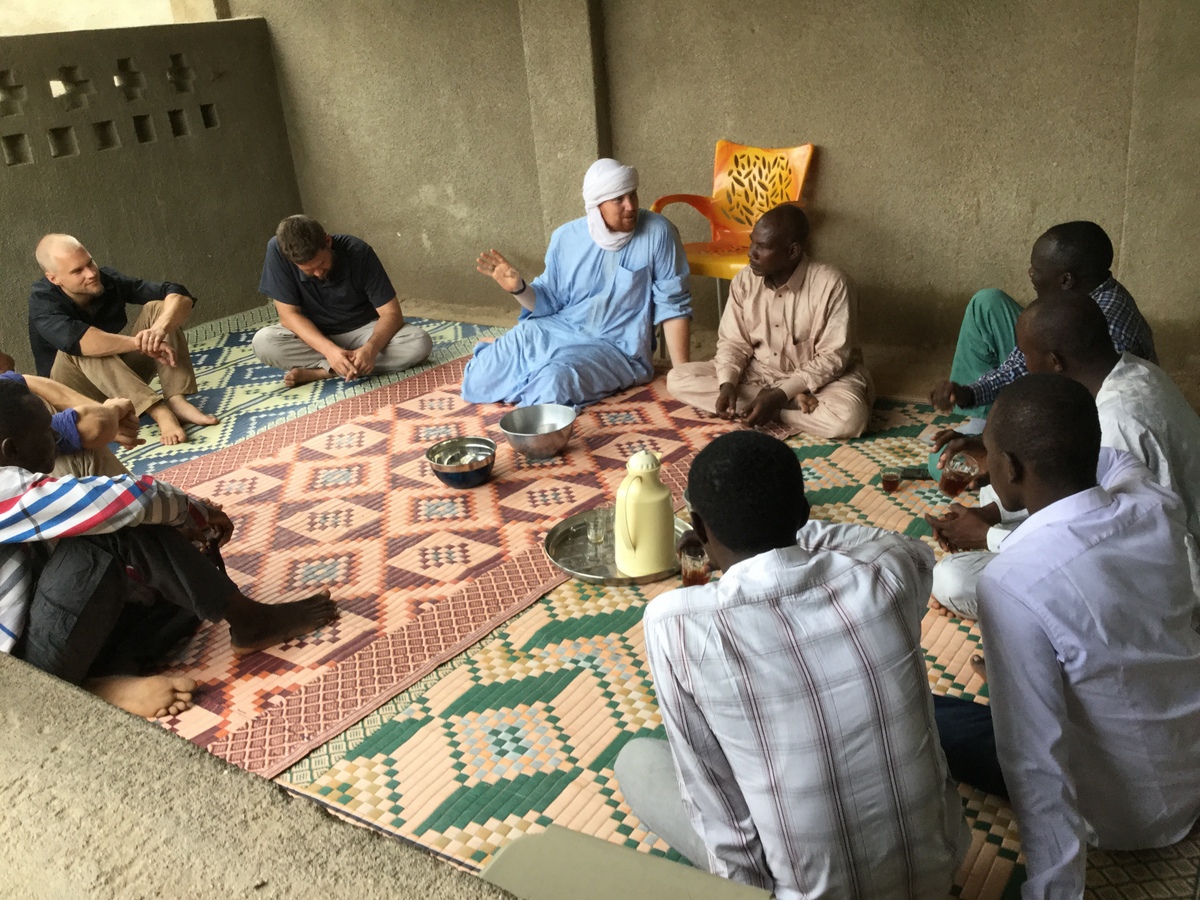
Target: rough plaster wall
38 16
1160 254
410 127
197 208
950 133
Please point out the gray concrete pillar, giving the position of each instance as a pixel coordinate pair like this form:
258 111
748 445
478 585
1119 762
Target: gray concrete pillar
567 99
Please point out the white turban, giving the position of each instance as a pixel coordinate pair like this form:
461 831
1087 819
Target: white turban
607 179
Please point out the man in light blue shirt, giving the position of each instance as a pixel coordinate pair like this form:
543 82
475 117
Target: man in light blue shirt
1093 667
587 322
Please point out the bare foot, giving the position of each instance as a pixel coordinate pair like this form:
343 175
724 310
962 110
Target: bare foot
256 626
939 609
151 697
298 376
171 432
978 667
188 412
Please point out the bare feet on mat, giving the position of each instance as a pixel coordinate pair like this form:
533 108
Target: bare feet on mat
150 697
171 431
298 376
939 609
187 411
256 626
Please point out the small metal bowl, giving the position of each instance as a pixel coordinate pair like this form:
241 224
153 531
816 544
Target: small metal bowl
539 431
464 462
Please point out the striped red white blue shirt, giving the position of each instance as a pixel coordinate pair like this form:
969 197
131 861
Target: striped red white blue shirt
36 507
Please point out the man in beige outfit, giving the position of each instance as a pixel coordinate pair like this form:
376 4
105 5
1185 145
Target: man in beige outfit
82 338
787 349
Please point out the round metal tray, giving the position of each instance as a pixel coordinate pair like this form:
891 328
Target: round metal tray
568 547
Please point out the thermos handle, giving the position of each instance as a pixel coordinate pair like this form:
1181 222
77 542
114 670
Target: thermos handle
631 493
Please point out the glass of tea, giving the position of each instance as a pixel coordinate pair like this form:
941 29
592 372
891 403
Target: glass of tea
694 566
889 479
959 472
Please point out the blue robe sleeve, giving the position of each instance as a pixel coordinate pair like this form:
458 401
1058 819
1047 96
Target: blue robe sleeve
547 286
670 288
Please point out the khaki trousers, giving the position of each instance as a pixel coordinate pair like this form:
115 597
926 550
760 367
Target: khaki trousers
843 406
128 375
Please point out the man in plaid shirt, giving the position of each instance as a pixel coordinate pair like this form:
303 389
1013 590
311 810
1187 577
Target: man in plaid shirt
1074 257
93 587
801 754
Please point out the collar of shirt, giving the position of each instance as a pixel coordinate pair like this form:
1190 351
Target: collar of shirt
796 282
1108 286
1067 508
337 272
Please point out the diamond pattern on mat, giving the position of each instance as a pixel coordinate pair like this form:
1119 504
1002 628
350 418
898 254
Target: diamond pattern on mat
342 498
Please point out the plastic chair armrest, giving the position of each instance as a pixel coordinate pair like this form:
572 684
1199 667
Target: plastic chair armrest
702 205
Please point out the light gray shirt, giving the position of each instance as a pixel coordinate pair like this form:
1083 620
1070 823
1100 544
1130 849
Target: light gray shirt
1094 679
798 712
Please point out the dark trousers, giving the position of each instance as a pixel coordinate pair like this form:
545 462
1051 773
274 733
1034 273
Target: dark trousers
965 730
91 616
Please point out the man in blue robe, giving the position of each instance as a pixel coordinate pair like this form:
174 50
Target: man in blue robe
587 323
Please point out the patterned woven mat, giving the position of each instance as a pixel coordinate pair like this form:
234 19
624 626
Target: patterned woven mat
249 397
343 498
521 731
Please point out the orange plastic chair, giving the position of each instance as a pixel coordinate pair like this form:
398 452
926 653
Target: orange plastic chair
747 181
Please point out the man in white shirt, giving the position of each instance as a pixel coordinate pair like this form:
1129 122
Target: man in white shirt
1093 666
795 698
1141 411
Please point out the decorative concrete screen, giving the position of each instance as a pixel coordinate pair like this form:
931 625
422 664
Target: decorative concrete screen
162 148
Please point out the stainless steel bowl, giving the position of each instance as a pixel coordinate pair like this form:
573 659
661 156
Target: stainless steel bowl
539 431
464 462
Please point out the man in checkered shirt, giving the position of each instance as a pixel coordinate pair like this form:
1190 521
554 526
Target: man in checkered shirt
1074 257
801 755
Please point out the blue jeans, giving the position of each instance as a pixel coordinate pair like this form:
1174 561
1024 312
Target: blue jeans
965 730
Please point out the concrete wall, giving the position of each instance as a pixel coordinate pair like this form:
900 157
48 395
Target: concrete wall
412 129
197 207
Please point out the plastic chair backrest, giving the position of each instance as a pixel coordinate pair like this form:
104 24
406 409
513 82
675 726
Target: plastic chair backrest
748 181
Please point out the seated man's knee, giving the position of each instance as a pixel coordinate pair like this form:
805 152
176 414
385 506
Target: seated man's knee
265 343
987 299
954 584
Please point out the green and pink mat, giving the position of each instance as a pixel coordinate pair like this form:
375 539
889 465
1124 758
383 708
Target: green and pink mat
470 693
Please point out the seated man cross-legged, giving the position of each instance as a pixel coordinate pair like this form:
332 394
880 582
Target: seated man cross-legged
586 327
81 337
1093 665
1073 256
338 312
99 577
787 348
801 753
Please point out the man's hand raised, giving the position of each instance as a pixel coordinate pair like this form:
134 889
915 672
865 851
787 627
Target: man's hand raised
765 407
499 269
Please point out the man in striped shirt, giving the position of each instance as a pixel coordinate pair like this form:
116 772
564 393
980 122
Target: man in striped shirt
1075 257
99 575
794 693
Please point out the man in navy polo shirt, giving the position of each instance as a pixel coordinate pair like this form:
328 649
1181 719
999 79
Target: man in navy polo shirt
81 336
338 312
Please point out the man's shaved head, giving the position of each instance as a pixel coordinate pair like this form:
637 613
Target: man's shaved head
1070 326
1049 424
787 220
1080 247
51 247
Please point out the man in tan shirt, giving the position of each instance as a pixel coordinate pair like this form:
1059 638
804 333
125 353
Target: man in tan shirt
787 349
